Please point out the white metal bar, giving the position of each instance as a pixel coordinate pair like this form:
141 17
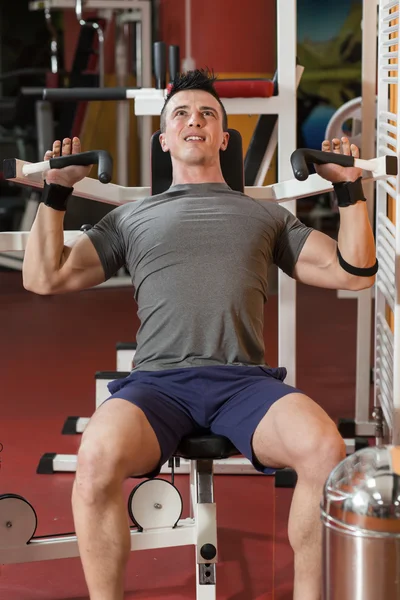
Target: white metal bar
11 241
384 327
388 271
386 403
386 259
385 293
388 43
390 17
389 140
385 264
389 290
384 388
364 297
384 341
386 150
388 224
386 127
384 367
389 5
386 356
363 356
65 546
385 114
391 29
383 349
204 592
11 261
387 236
287 119
145 124
81 424
125 359
269 153
111 193
287 190
123 108
388 248
236 465
386 406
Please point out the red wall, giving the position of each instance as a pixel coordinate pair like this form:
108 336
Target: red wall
230 36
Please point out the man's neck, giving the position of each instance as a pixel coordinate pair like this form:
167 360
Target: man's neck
196 174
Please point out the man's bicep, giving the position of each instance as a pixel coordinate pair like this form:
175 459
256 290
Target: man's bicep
81 267
317 262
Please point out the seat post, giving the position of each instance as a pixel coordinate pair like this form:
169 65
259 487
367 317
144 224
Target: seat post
205 481
206 524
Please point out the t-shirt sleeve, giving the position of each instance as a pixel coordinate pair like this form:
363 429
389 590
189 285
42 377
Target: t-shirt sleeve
107 237
291 237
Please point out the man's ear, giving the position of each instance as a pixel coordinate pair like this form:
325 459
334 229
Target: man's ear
225 141
163 142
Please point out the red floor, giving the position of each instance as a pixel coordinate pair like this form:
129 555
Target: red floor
51 347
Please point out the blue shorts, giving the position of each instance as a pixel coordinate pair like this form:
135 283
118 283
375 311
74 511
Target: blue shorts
224 400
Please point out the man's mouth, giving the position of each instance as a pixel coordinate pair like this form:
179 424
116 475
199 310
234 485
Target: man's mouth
194 138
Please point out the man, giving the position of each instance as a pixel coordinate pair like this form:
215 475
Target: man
198 255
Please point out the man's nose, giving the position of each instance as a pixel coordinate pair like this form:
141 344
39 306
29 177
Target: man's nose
195 120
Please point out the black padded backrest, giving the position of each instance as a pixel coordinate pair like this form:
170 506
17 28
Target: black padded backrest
231 164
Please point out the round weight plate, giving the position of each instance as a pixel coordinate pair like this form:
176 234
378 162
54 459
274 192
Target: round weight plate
155 503
18 521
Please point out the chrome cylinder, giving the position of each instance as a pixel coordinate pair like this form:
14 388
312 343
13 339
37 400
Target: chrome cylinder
360 514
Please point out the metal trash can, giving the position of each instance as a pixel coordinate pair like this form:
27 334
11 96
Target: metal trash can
360 512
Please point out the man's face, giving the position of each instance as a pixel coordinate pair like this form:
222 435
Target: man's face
193 128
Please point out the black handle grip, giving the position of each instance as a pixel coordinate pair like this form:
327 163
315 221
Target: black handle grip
85 94
174 62
303 157
100 157
160 65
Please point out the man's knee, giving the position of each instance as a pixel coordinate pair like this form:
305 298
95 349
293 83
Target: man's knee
98 471
320 451
118 443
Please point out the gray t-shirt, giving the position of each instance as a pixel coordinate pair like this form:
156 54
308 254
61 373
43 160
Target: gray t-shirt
198 255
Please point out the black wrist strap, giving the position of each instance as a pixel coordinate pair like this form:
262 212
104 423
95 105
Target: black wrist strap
349 192
56 196
357 271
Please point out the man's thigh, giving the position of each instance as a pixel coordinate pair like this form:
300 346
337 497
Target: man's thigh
296 432
256 393
140 420
119 439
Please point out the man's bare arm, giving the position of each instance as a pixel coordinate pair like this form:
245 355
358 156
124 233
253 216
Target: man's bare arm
318 263
49 266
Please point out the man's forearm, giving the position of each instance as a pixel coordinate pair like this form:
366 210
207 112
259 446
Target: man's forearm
44 250
356 239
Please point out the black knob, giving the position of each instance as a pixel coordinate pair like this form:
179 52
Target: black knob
174 62
86 227
208 551
160 64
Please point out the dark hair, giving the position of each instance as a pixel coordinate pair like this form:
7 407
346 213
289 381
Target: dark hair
199 79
